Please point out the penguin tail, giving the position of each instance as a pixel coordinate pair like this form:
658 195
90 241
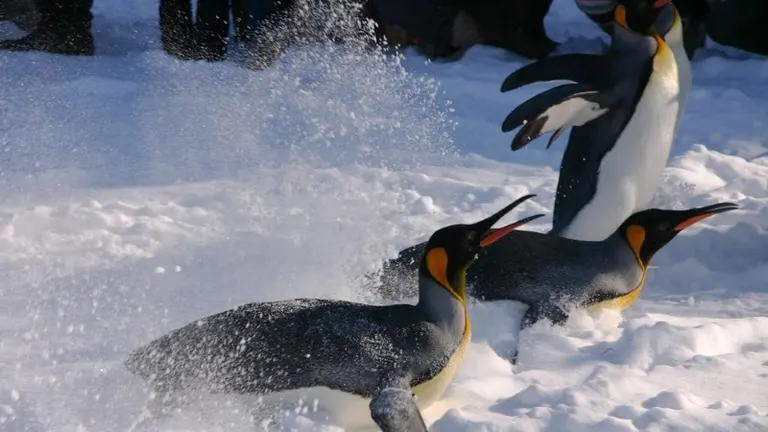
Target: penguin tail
554 110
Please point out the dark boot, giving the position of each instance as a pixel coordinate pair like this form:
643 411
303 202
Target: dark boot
23 13
252 15
205 38
264 30
212 24
177 34
64 28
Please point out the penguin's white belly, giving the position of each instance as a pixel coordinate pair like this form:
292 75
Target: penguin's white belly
632 171
674 38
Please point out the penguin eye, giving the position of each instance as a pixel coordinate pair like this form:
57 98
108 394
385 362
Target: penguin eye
471 238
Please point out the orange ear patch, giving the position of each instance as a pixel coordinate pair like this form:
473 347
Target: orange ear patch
636 238
620 15
437 265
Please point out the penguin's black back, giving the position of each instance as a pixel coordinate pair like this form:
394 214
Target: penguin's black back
284 345
532 268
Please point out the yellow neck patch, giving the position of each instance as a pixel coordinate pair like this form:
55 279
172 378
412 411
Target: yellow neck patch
437 265
635 238
661 44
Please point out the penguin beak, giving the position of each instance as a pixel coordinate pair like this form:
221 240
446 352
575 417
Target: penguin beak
698 214
489 235
660 3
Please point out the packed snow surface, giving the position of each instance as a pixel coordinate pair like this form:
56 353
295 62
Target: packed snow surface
140 193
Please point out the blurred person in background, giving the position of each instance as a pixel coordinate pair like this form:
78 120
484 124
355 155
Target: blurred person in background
447 28
438 28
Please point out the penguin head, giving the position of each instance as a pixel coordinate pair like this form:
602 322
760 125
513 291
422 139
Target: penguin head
648 231
638 15
451 250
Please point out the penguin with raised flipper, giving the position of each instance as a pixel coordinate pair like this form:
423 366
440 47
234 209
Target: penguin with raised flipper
625 108
552 275
352 357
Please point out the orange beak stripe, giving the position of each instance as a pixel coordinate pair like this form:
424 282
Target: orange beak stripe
620 15
690 221
497 234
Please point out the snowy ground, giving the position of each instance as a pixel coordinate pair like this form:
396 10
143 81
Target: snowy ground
140 193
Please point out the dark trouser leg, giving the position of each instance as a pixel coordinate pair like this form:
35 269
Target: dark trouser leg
740 24
203 38
64 28
251 14
264 32
23 13
212 25
176 29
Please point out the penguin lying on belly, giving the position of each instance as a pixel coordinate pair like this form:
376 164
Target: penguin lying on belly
625 109
554 274
377 355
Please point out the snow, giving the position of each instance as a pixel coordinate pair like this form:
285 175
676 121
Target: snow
140 193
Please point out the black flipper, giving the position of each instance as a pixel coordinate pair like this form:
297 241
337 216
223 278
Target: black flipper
533 315
555 109
577 67
394 408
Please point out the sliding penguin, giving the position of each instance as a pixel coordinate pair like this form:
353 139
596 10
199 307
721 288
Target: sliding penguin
625 108
367 358
554 274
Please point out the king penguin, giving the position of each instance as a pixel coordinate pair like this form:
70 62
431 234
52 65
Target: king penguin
625 108
387 362
552 275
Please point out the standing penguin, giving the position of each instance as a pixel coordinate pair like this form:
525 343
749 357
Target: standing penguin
553 274
353 357
625 107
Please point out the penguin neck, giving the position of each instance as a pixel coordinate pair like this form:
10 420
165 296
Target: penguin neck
624 40
442 307
668 24
619 245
